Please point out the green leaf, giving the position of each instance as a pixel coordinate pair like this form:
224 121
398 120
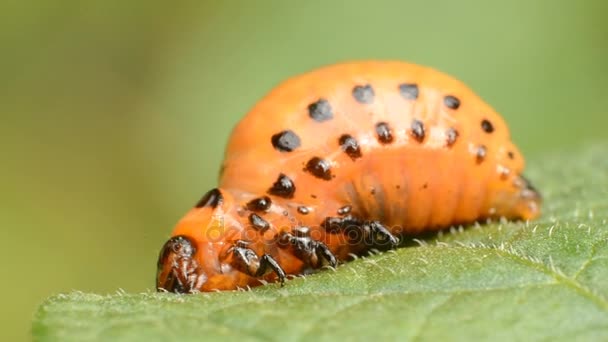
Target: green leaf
544 280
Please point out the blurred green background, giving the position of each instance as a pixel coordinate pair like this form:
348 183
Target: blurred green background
115 113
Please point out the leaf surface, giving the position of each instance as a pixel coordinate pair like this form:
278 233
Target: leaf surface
543 280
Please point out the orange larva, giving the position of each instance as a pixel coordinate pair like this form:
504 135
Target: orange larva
342 160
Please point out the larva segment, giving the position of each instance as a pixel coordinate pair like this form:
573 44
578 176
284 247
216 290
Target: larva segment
378 149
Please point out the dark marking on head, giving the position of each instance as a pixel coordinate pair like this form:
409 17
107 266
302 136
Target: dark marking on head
320 111
511 155
259 204
425 185
480 153
452 135
451 102
303 210
397 186
211 199
180 245
319 168
487 126
350 146
363 93
283 187
384 133
409 91
345 210
418 130
285 141
258 223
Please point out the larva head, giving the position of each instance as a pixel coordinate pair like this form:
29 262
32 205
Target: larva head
218 245
195 257
177 270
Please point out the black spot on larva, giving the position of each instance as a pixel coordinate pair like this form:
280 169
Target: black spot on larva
319 168
313 196
451 102
258 223
350 146
511 155
487 126
285 141
384 133
409 91
320 111
283 187
259 204
303 210
211 199
372 191
344 210
418 130
363 93
480 153
452 135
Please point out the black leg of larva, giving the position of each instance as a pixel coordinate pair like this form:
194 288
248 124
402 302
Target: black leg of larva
324 253
371 234
313 253
382 236
248 262
267 262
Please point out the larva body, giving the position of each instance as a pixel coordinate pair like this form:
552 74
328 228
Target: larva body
340 160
